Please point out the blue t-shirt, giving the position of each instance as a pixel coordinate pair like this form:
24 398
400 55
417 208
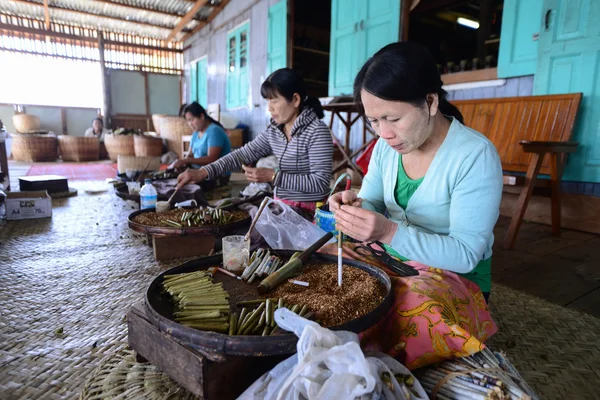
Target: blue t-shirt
214 136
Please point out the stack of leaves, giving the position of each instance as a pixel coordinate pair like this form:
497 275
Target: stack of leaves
200 303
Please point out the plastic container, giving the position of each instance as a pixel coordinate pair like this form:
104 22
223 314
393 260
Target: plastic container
236 252
133 188
148 195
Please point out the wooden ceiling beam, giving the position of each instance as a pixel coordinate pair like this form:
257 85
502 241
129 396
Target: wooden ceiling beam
46 15
94 15
216 10
186 19
173 14
14 28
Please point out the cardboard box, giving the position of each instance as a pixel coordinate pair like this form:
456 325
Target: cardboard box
28 205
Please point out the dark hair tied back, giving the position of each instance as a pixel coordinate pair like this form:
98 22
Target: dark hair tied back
403 71
287 82
197 111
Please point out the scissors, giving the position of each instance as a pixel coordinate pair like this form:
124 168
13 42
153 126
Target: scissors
398 267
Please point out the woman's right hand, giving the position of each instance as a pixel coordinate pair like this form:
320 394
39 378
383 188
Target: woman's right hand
348 197
191 176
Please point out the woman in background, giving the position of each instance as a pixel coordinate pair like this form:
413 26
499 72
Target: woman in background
209 143
296 136
97 130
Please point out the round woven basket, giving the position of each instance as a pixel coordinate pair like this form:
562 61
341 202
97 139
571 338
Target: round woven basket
172 129
26 123
156 122
34 148
147 146
73 148
119 145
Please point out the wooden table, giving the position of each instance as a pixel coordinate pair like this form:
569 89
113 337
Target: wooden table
348 109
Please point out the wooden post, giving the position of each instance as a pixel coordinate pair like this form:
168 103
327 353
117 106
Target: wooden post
107 106
405 20
63 119
483 33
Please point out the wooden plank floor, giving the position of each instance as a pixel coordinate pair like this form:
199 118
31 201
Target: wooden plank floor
563 270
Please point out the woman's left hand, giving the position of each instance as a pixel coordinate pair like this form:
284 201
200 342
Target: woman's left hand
364 225
259 175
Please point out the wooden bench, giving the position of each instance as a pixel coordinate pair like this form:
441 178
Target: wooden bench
524 130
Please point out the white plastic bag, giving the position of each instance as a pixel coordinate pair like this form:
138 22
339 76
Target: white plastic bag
283 228
330 365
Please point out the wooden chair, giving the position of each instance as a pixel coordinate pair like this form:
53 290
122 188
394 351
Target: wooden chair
214 111
524 130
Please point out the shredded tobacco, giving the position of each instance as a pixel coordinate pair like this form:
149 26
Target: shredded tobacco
359 294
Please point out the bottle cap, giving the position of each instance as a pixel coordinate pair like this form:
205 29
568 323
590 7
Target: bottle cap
147 181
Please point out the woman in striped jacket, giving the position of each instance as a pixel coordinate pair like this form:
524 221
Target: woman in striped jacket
298 138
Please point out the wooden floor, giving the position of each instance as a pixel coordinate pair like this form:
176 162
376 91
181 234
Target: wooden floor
563 270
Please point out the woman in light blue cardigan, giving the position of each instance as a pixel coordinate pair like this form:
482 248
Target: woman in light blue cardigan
432 192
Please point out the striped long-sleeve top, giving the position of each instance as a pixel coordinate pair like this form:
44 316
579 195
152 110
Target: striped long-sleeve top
305 161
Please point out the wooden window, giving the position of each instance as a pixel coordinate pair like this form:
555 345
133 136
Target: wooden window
238 53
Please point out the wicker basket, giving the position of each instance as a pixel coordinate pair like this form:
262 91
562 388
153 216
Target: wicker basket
25 123
172 129
156 122
147 146
137 163
119 145
34 148
74 148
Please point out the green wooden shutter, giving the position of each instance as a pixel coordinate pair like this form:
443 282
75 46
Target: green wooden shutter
569 62
243 61
232 89
343 48
202 82
358 29
193 82
521 24
238 56
277 37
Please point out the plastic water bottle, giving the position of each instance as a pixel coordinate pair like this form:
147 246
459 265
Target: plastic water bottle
148 195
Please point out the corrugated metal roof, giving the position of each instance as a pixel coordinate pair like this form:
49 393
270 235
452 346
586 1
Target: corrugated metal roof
147 18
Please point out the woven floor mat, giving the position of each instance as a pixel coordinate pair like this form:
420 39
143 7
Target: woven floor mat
121 377
67 282
555 349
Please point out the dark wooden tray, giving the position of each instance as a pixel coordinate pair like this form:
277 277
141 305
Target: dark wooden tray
217 230
159 308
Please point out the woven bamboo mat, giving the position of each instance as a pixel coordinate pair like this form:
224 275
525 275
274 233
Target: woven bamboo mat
555 349
67 282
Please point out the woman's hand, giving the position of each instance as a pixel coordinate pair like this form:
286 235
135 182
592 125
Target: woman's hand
191 176
346 197
259 175
180 163
364 225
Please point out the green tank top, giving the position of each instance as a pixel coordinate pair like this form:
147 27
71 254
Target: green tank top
405 188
